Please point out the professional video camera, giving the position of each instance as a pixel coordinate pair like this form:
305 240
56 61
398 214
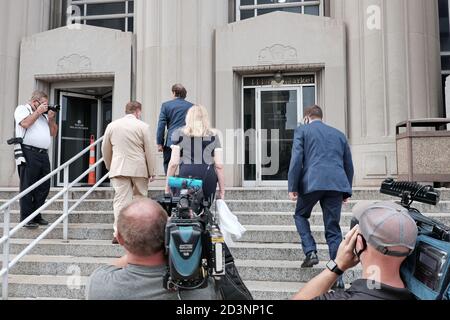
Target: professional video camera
194 244
426 271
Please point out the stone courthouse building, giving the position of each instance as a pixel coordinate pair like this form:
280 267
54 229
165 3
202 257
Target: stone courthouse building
255 64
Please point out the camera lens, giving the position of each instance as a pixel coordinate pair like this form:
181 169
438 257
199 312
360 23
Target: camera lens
184 203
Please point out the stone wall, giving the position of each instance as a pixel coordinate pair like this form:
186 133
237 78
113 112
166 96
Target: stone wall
175 44
393 75
18 18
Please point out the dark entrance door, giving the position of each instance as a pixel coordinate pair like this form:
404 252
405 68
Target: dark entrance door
78 121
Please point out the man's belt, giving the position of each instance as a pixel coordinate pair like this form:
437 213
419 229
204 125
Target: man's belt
34 149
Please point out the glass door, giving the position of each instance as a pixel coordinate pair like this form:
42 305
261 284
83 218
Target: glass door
271 114
280 113
78 121
105 120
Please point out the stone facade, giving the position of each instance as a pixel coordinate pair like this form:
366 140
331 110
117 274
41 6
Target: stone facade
240 50
175 44
18 19
377 63
393 75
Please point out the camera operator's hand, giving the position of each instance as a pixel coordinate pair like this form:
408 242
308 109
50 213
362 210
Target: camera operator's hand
345 258
43 108
51 115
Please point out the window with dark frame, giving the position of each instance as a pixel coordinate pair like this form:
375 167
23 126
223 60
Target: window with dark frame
113 14
444 29
246 9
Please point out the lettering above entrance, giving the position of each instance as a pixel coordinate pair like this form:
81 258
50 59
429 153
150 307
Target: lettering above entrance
74 63
285 80
278 54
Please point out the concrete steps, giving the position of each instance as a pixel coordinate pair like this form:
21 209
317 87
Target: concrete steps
255 270
47 287
77 231
270 290
77 248
268 256
231 194
50 287
245 218
104 249
99 231
279 206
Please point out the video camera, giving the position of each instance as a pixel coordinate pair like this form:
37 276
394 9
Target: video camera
426 271
194 243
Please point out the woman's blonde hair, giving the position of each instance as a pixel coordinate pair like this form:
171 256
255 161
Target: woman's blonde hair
197 122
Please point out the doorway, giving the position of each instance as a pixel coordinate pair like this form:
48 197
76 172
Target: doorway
271 116
82 117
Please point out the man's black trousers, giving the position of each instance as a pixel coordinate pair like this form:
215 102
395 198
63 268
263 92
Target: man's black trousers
37 166
167 153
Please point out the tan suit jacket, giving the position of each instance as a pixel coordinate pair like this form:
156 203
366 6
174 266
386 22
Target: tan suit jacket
127 148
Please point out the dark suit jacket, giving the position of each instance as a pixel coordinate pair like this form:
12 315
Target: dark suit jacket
321 160
172 117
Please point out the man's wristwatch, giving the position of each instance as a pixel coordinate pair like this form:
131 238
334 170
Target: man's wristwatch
333 267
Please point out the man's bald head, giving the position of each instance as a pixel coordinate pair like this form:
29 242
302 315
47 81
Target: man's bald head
141 226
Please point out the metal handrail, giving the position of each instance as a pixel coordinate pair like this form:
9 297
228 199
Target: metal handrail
50 175
7 234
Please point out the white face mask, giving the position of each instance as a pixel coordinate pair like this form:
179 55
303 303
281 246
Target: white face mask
138 115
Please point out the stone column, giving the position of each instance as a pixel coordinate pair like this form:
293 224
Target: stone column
175 44
393 74
18 19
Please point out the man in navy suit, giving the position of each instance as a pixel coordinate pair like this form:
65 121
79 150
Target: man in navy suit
172 117
321 170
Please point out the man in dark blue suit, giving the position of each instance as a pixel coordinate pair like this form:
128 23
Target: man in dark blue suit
172 117
321 170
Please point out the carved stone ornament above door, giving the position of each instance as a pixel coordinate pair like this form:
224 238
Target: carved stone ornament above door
278 54
74 63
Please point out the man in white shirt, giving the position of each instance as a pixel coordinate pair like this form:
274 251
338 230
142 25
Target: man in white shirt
36 125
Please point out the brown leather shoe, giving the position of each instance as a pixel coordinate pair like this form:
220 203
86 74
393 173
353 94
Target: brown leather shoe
114 241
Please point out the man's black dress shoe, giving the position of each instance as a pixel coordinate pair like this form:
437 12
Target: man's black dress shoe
41 222
311 260
31 225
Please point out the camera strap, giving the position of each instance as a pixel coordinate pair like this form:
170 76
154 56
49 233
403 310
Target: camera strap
206 173
26 130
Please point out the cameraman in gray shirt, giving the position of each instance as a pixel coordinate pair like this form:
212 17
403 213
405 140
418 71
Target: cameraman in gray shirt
139 274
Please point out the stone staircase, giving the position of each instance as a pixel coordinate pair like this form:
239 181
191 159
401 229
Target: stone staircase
268 255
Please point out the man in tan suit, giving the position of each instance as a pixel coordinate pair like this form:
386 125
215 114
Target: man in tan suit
127 153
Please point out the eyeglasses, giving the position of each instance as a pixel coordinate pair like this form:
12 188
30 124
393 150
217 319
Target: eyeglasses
358 253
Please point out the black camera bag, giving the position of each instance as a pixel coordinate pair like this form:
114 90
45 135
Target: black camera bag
231 285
